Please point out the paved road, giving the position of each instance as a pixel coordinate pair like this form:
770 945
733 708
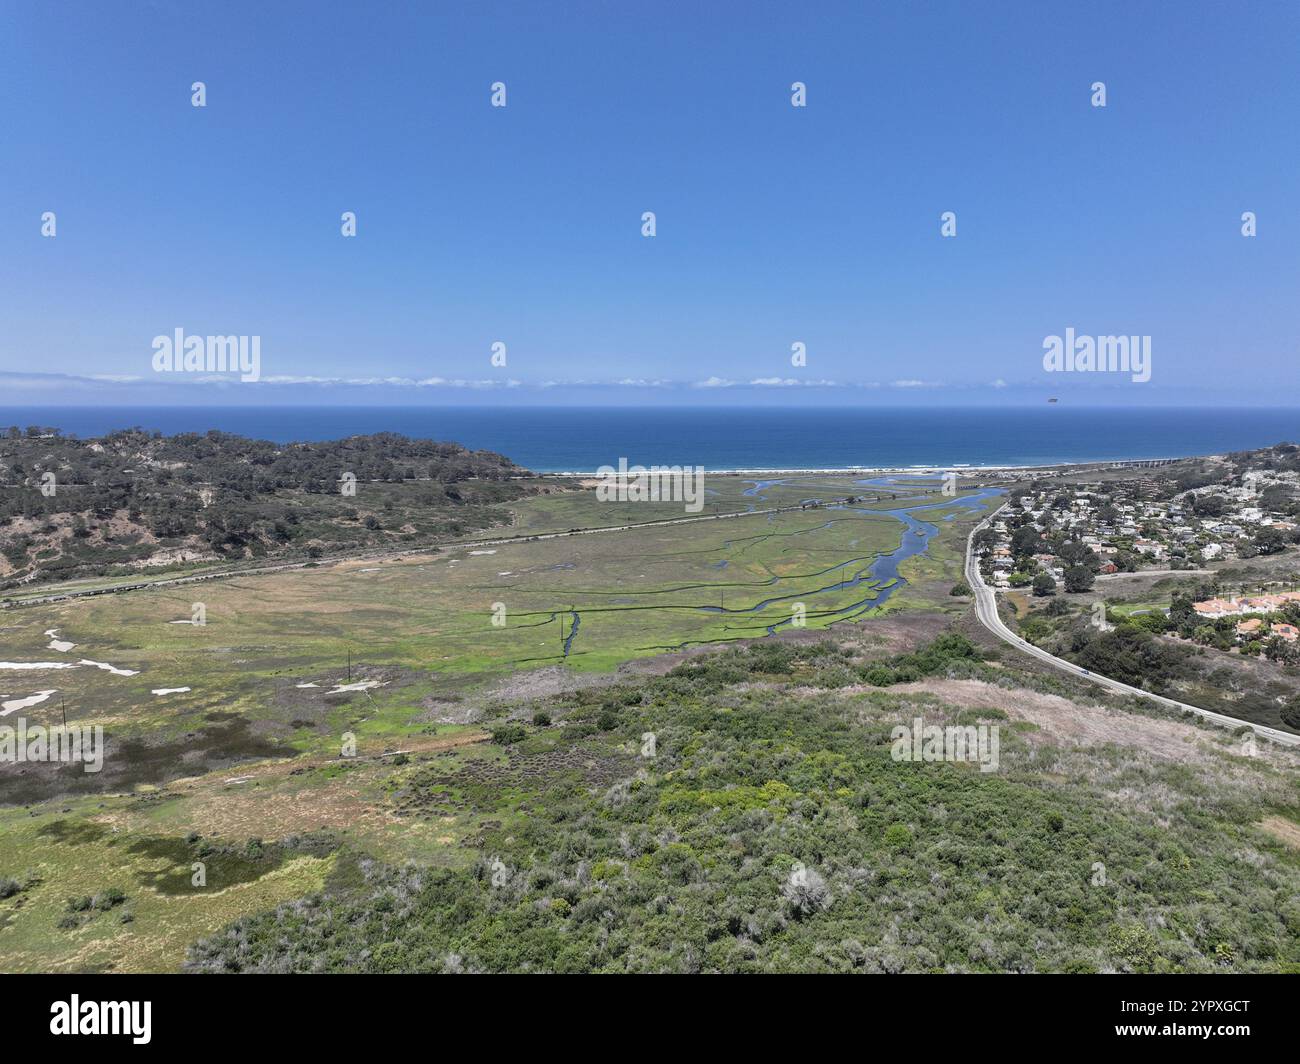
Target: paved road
1158 572
986 608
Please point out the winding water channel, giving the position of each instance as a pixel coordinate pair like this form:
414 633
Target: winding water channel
878 575
882 572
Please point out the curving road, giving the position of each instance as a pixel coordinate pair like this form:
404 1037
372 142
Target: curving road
986 608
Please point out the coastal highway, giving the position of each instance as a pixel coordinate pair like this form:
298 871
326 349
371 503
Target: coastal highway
986 608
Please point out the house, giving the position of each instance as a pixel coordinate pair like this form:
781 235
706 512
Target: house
1149 547
1212 609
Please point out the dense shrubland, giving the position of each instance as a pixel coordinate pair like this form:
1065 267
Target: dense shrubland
133 495
772 831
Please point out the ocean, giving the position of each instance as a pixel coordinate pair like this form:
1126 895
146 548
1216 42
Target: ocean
564 439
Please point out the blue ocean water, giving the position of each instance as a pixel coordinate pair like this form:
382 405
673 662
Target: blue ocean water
557 439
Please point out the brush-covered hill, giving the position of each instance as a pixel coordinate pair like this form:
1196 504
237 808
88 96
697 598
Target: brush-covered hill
71 507
747 812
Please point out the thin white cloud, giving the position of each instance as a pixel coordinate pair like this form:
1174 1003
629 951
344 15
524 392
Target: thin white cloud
41 382
457 382
792 382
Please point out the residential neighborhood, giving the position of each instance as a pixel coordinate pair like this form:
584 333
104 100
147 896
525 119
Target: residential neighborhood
1103 527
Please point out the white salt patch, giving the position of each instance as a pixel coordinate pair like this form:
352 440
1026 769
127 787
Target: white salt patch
374 570
307 685
184 622
170 690
110 668
58 644
505 574
36 665
360 685
23 703
482 552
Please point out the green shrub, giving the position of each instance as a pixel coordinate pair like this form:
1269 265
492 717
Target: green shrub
108 899
1134 947
508 734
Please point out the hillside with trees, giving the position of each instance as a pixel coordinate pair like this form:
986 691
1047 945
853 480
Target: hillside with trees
74 508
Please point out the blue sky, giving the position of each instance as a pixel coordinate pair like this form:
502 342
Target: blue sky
523 224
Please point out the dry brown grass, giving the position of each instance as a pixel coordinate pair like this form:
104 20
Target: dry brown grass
1285 831
1061 720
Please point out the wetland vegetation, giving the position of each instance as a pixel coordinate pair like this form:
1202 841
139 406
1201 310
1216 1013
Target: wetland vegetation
671 754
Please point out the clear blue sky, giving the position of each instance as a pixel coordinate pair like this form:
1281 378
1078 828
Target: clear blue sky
775 224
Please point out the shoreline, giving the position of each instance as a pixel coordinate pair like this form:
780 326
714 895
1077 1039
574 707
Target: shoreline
915 470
